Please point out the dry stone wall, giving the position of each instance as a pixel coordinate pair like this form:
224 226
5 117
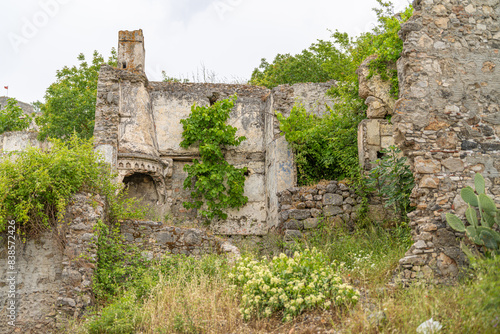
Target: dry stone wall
156 240
447 121
301 209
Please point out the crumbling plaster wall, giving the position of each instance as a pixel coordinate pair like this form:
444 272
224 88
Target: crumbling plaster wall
53 272
447 121
138 130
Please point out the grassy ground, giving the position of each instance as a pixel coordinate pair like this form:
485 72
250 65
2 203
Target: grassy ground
197 296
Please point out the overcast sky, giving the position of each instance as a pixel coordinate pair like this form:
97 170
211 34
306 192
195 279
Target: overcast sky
228 37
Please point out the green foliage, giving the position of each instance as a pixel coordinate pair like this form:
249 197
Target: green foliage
392 180
325 147
70 101
166 78
486 287
120 317
292 285
36 185
217 184
120 267
339 59
12 117
366 252
480 231
288 69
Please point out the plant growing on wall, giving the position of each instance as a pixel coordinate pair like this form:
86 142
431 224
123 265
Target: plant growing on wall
218 185
480 231
36 185
324 147
70 101
12 117
392 180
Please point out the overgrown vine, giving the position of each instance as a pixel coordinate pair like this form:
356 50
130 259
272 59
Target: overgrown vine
218 185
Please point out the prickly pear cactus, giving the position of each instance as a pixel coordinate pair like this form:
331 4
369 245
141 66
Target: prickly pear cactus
480 231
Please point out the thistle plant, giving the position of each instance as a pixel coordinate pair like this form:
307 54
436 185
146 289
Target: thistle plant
480 230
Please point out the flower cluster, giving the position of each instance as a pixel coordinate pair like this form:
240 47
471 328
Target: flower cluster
292 285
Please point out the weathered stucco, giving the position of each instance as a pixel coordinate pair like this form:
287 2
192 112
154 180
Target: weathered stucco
139 131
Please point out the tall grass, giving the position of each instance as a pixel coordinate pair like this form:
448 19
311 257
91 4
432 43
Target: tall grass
194 295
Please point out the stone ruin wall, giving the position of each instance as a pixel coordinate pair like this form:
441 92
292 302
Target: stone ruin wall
301 208
55 270
15 141
447 121
138 129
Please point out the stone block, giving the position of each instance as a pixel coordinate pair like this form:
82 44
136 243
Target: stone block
294 224
429 182
386 141
299 214
453 165
192 237
373 132
311 223
165 238
292 235
332 199
331 210
427 166
316 213
331 188
386 129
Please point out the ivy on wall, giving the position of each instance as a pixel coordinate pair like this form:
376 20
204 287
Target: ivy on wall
216 185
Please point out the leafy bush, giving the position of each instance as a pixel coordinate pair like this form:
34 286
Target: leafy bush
217 184
327 147
36 185
306 281
288 69
392 180
119 267
324 147
12 117
119 317
70 101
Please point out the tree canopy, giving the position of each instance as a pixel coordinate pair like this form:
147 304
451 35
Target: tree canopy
326 148
70 101
12 117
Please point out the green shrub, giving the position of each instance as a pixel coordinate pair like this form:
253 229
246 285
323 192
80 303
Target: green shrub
325 147
392 180
119 317
12 117
292 285
119 267
36 185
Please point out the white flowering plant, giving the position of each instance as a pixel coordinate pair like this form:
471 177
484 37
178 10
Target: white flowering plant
292 285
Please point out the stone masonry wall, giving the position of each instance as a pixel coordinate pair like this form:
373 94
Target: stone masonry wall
156 240
54 272
447 121
301 208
